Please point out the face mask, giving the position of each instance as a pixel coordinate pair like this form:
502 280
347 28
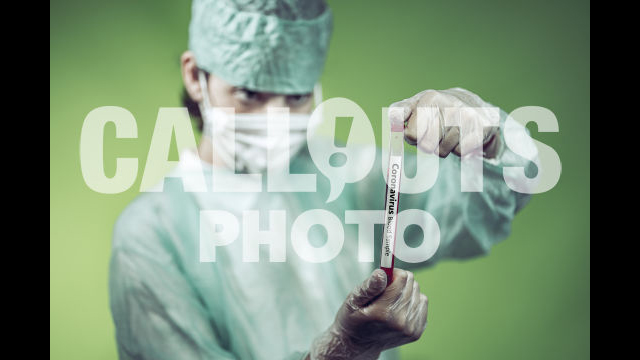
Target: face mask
253 139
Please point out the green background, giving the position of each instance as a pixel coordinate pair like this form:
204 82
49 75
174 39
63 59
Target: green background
528 300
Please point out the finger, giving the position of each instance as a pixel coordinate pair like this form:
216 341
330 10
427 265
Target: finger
415 305
424 309
411 130
434 134
369 290
470 144
407 290
422 315
457 150
415 300
430 118
414 313
388 302
449 142
492 147
472 137
414 129
395 290
407 106
489 133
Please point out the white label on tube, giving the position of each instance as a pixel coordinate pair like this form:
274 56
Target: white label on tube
391 211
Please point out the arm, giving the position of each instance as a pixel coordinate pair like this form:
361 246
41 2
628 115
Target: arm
469 222
157 316
156 313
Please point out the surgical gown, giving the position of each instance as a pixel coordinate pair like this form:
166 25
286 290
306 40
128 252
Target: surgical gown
167 304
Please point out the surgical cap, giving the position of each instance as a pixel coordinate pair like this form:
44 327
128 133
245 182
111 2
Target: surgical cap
275 46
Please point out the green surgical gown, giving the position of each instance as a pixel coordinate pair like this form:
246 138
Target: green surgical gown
166 304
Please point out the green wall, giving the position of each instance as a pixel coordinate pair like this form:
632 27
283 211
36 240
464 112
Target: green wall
528 300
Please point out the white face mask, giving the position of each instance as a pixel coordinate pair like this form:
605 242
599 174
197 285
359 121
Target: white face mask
251 132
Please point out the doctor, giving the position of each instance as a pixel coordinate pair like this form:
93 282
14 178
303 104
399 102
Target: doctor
166 304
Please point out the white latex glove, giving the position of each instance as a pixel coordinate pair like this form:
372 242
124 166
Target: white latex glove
373 318
440 139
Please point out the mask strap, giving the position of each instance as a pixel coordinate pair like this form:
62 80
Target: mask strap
204 104
203 87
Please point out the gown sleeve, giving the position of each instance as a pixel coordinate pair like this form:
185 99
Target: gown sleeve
470 223
157 312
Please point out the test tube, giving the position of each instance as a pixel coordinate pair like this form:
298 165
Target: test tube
392 198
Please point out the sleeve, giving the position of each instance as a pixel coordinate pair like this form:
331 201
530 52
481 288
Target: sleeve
156 313
470 223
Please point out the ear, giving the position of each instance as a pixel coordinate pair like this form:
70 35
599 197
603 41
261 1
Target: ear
190 75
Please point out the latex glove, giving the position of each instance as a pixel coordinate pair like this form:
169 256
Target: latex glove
374 318
440 139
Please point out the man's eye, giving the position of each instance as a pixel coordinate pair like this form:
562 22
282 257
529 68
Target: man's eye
246 95
298 100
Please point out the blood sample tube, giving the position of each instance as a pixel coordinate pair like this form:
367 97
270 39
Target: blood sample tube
392 198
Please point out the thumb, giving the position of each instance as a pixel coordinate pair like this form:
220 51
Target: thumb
372 287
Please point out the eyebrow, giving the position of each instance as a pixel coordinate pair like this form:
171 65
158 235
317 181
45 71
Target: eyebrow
268 94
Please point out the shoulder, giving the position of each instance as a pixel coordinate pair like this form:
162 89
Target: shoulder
140 220
153 222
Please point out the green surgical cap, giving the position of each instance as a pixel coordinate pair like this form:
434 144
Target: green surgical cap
275 46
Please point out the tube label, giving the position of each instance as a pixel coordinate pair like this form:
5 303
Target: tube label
391 211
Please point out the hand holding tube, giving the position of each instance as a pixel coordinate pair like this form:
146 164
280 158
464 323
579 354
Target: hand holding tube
373 318
439 138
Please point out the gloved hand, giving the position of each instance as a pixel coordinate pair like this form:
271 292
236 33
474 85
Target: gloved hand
440 139
373 318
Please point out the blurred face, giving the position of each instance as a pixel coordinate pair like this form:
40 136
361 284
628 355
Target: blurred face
223 94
